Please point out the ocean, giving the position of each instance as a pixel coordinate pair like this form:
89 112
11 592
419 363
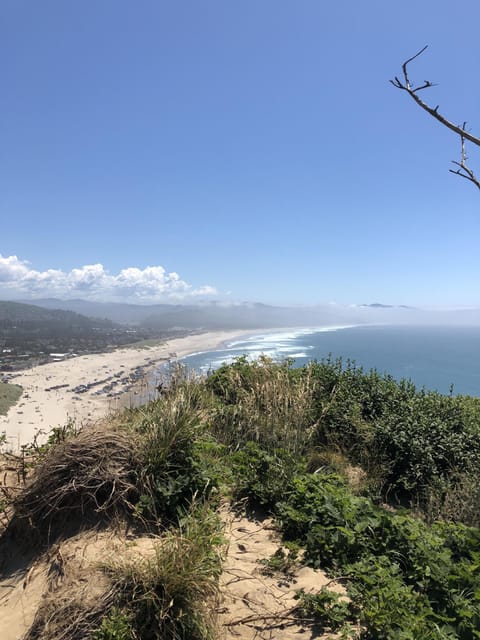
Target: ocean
436 358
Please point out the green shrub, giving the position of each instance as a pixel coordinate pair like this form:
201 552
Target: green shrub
388 608
407 441
408 579
260 477
283 561
426 442
326 608
9 396
115 626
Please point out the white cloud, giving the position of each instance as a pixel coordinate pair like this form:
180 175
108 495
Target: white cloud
94 282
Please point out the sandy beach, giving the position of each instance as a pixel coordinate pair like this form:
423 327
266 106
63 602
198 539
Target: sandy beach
88 387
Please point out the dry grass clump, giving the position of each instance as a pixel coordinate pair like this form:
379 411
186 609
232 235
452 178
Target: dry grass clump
75 594
335 460
12 478
462 502
172 594
69 617
140 463
166 592
459 501
90 475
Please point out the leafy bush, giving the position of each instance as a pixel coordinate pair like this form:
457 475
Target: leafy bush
283 561
261 478
326 608
430 439
407 579
388 608
115 626
406 440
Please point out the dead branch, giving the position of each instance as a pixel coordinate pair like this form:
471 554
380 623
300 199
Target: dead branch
464 171
278 619
405 85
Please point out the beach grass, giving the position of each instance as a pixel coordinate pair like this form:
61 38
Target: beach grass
9 395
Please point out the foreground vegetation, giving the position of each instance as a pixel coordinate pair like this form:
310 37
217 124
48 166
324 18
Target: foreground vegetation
369 479
9 395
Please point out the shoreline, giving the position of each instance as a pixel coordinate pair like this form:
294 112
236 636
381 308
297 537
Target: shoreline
88 387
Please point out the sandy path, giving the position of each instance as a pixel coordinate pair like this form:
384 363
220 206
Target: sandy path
42 406
256 606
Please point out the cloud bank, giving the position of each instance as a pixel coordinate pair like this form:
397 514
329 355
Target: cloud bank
94 282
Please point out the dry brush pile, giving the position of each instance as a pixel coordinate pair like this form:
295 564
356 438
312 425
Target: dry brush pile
82 480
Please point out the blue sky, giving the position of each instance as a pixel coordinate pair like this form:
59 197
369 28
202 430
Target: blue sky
248 150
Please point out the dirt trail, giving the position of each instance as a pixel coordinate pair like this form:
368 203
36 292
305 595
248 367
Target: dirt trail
255 605
252 605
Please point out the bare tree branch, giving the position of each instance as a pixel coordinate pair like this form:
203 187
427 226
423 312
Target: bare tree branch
463 171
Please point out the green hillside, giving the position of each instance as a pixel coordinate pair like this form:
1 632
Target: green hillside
28 334
21 313
9 394
368 479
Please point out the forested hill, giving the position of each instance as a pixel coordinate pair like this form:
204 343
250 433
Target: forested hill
31 335
30 315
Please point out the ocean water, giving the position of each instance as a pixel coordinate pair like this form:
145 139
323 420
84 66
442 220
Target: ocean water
436 358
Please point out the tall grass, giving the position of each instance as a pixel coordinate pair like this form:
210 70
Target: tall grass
264 402
168 430
172 594
169 594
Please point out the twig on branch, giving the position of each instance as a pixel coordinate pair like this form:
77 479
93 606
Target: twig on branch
463 171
